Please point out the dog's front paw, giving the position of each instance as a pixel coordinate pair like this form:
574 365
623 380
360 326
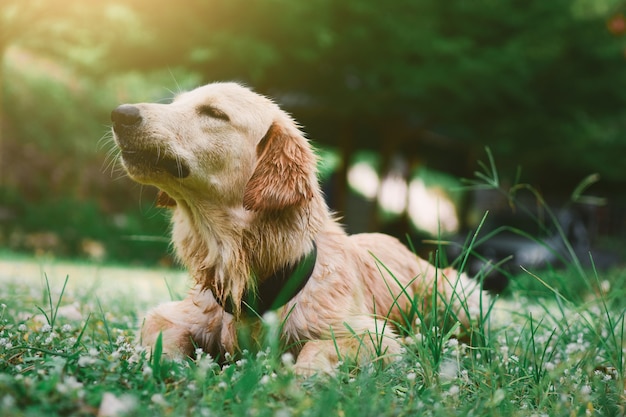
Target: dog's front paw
175 338
317 357
325 356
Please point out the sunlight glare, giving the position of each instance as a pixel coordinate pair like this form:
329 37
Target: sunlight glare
431 210
392 196
363 178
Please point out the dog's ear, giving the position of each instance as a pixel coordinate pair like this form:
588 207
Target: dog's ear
164 200
285 175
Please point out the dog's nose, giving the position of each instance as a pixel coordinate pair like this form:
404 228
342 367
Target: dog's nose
125 115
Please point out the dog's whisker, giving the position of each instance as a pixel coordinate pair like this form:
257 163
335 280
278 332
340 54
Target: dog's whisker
116 171
109 159
105 140
112 149
178 88
121 174
112 164
166 99
116 166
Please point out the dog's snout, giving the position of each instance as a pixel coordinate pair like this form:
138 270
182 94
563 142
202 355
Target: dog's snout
125 115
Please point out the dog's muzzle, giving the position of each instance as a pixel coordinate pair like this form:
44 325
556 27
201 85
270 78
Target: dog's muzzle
127 123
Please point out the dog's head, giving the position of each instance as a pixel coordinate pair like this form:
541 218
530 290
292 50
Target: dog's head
221 143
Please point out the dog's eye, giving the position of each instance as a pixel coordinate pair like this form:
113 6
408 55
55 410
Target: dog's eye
211 111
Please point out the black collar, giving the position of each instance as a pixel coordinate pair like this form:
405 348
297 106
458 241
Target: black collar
277 289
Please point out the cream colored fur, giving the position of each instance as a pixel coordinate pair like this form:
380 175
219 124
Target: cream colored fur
251 204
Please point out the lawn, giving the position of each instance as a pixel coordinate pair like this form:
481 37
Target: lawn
553 346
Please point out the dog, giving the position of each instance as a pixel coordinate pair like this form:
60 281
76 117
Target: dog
251 225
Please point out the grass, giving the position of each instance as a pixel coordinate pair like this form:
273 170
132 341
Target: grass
68 352
553 346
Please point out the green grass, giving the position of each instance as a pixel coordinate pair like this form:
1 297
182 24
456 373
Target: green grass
66 351
553 346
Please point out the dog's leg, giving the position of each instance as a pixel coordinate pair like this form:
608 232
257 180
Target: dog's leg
349 345
168 320
195 322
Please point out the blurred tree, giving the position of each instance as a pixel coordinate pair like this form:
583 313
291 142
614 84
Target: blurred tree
59 28
540 82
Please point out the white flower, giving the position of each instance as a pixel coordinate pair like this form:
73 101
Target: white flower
283 412
605 287
112 406
411 376
270 318
572 348
585 390
8 401
69 384
22 328
452 343
264 379
46 328
146 371
85 361
454 390
199 352
159 399
448 370
287 359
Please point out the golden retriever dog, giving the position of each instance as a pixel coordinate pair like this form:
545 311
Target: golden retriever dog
251 225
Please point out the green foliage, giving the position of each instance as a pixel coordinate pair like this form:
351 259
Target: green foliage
63 227
537 82
62 183
533 81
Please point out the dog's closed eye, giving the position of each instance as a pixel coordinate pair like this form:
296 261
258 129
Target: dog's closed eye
212 111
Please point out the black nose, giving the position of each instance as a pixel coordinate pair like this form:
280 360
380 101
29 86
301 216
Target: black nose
125 115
